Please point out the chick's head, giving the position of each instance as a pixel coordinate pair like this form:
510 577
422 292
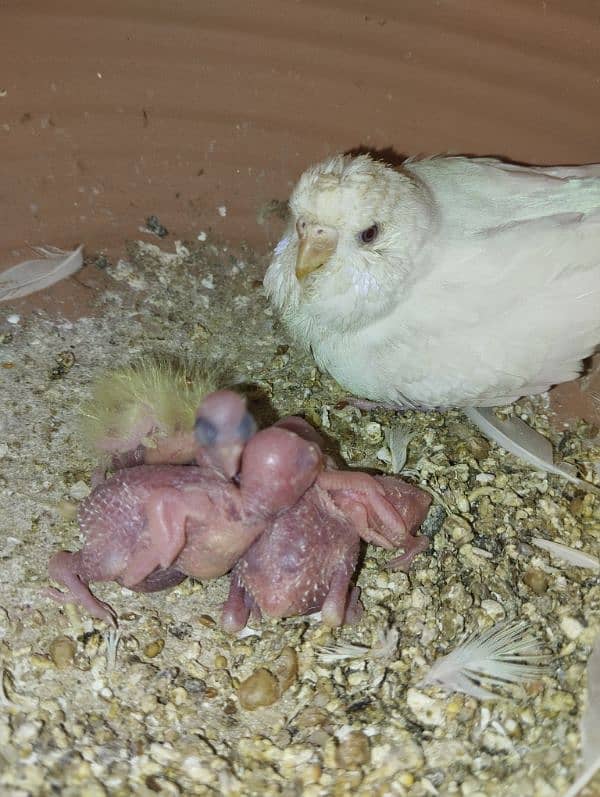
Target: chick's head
353 231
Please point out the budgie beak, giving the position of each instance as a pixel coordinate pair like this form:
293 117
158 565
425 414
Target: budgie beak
316 245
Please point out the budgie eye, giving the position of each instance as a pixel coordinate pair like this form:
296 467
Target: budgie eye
246 427
206 432
370 234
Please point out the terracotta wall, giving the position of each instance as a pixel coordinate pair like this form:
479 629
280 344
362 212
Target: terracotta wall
114 110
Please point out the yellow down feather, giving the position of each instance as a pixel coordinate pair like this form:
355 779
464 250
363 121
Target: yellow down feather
151 398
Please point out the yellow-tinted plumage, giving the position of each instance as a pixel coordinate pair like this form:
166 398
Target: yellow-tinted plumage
141 403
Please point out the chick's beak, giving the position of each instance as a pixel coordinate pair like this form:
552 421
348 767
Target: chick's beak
228 459
316 245
220 439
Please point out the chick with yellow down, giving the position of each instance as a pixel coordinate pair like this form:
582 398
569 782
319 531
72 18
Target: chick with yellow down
447 282
144 412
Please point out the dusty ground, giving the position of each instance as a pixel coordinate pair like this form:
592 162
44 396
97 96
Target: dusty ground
164 715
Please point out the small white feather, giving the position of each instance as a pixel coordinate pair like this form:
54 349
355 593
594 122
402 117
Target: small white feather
384 647
331 654
113 637
505 654
247 631
590 725
570 555
34 275
519 439
398 438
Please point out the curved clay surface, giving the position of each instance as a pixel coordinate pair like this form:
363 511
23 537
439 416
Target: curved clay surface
112 111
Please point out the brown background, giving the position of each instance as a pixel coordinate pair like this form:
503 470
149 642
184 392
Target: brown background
115 110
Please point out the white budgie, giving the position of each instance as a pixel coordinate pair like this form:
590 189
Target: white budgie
447 282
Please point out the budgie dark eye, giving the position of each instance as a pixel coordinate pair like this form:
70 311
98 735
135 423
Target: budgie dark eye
370 234
247 427
206 432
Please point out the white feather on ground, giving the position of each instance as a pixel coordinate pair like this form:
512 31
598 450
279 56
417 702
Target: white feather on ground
384 647
590 725
570 555
35 275
398 438
507 653
523 442
332 654
113 637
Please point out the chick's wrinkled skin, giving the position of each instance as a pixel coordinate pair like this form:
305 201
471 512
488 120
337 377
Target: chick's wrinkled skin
446 282
269 501
149 526
306 558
